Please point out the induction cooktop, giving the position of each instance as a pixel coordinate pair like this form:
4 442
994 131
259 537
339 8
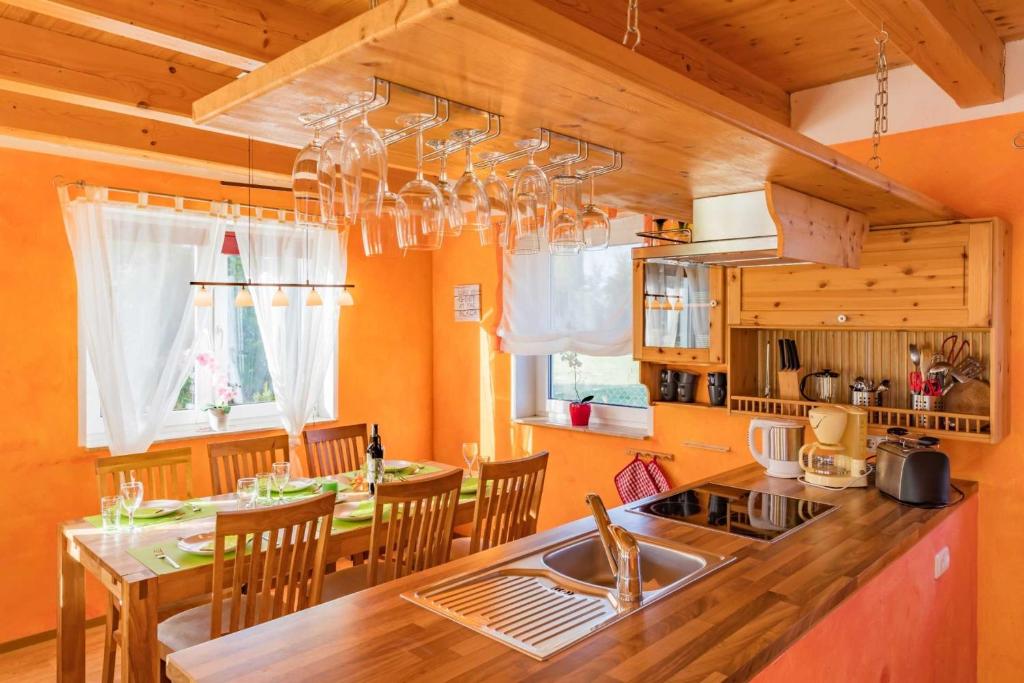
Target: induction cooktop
751 514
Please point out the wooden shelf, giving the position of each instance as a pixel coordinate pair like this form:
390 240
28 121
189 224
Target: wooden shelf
534 66
704 406
940 424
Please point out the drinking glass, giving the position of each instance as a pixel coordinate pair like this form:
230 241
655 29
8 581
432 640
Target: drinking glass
565 233
306 183
452 214
500 200
474 205
381 230
530 193
131 499
425 203
264 490
364 160
332 193
471 454
246 492
594 224
280 472
523 244
110 512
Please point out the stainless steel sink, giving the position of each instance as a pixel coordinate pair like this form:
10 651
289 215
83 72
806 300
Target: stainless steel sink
544 602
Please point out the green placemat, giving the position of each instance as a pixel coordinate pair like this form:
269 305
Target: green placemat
144 554
206 509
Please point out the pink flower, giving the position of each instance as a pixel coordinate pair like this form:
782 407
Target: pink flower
205 359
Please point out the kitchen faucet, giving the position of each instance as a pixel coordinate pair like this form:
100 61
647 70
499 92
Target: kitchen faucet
622 551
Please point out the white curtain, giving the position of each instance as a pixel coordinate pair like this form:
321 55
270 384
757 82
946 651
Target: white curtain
298 340
133 265
568 302
681 317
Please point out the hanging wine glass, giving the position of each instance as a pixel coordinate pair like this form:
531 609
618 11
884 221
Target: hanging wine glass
565 234
381 230
306 183
530 193
425 228
523 244
364 162
332 194
473 201
500 200
452 215
594 223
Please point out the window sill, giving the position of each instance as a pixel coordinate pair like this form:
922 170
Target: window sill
596 429
203 430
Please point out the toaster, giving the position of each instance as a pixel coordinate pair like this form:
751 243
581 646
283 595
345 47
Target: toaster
912 473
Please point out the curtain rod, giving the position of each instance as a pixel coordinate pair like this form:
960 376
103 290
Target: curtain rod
59 182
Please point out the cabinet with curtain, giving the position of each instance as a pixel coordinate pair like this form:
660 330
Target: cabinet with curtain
678 322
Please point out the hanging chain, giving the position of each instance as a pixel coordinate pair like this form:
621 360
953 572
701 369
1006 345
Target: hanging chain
632 24
881 99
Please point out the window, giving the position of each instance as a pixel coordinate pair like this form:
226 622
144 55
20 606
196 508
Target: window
231 358
612 380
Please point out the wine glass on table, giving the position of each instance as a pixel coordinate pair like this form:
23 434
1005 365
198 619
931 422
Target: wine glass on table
280 472
471 454
131 499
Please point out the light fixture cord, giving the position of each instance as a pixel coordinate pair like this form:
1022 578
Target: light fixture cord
881 98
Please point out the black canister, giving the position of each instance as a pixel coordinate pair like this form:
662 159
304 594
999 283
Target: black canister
717 388
687 387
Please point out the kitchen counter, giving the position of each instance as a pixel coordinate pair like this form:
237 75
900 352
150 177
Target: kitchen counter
729 625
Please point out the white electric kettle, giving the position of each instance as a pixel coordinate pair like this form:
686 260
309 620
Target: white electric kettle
781 441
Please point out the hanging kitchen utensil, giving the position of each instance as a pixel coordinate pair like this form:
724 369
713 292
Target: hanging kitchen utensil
658 476
634 481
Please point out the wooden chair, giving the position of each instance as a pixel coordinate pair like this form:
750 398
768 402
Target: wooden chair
334 450
413 522
507 503
164 474
283 573
231 460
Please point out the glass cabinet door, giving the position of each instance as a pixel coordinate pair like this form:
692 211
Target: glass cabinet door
677 304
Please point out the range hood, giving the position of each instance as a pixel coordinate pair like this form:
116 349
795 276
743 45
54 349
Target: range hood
773 226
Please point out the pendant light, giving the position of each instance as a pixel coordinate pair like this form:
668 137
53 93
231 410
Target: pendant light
345 298
244 298
314 298
280 298
204 297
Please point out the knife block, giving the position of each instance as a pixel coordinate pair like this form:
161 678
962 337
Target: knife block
789 384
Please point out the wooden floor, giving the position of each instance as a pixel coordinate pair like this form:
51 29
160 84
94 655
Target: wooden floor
38 663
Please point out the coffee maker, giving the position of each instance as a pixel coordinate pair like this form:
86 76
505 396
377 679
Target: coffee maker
838 459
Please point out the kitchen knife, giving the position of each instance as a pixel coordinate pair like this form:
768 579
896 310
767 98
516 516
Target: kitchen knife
794 355
783 355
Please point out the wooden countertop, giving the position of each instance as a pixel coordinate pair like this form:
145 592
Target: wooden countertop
730 624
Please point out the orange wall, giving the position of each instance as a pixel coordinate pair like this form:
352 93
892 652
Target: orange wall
972 167
384 370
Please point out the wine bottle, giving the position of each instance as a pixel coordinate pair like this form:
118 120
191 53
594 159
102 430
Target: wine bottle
374 460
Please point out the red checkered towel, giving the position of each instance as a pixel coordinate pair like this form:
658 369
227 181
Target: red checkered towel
659 476
634 481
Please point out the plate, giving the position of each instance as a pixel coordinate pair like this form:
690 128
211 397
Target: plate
202 544
151 509
345 496
469 485
354 511
297 485
397 465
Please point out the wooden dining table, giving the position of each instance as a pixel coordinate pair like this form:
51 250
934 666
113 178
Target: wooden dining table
142 592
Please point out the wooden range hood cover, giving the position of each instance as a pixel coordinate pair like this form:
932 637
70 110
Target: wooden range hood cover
773 226
680 139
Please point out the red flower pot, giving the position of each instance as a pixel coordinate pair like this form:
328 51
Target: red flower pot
579 414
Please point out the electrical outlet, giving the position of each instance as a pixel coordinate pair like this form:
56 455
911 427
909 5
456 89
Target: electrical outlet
941 561
873 441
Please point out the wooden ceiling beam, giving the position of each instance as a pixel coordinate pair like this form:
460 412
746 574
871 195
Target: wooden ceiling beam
240 33
65 68
671 48
950 40
53 127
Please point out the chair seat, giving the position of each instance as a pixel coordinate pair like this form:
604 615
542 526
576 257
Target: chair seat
460 547
187 628
344 582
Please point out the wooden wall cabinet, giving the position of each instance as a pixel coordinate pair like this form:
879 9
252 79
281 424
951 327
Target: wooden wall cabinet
941 275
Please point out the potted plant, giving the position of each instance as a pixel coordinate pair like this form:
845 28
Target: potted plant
579 410
224 393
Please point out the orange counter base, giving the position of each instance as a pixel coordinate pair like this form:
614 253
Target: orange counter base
903 624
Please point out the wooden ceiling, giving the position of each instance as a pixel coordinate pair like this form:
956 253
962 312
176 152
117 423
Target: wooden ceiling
115 79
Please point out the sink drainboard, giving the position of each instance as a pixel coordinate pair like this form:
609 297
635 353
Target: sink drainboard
529 613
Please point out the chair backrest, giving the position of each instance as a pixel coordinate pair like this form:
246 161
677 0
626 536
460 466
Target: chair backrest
507 501
413 523
282 573
164 474
334 450
231 460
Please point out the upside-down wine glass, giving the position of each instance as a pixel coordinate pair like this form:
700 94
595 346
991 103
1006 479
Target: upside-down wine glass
594 223
381 231
365 162
473 201
452 215
306 183
565 234
332 193
500 200
530 193
425 229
